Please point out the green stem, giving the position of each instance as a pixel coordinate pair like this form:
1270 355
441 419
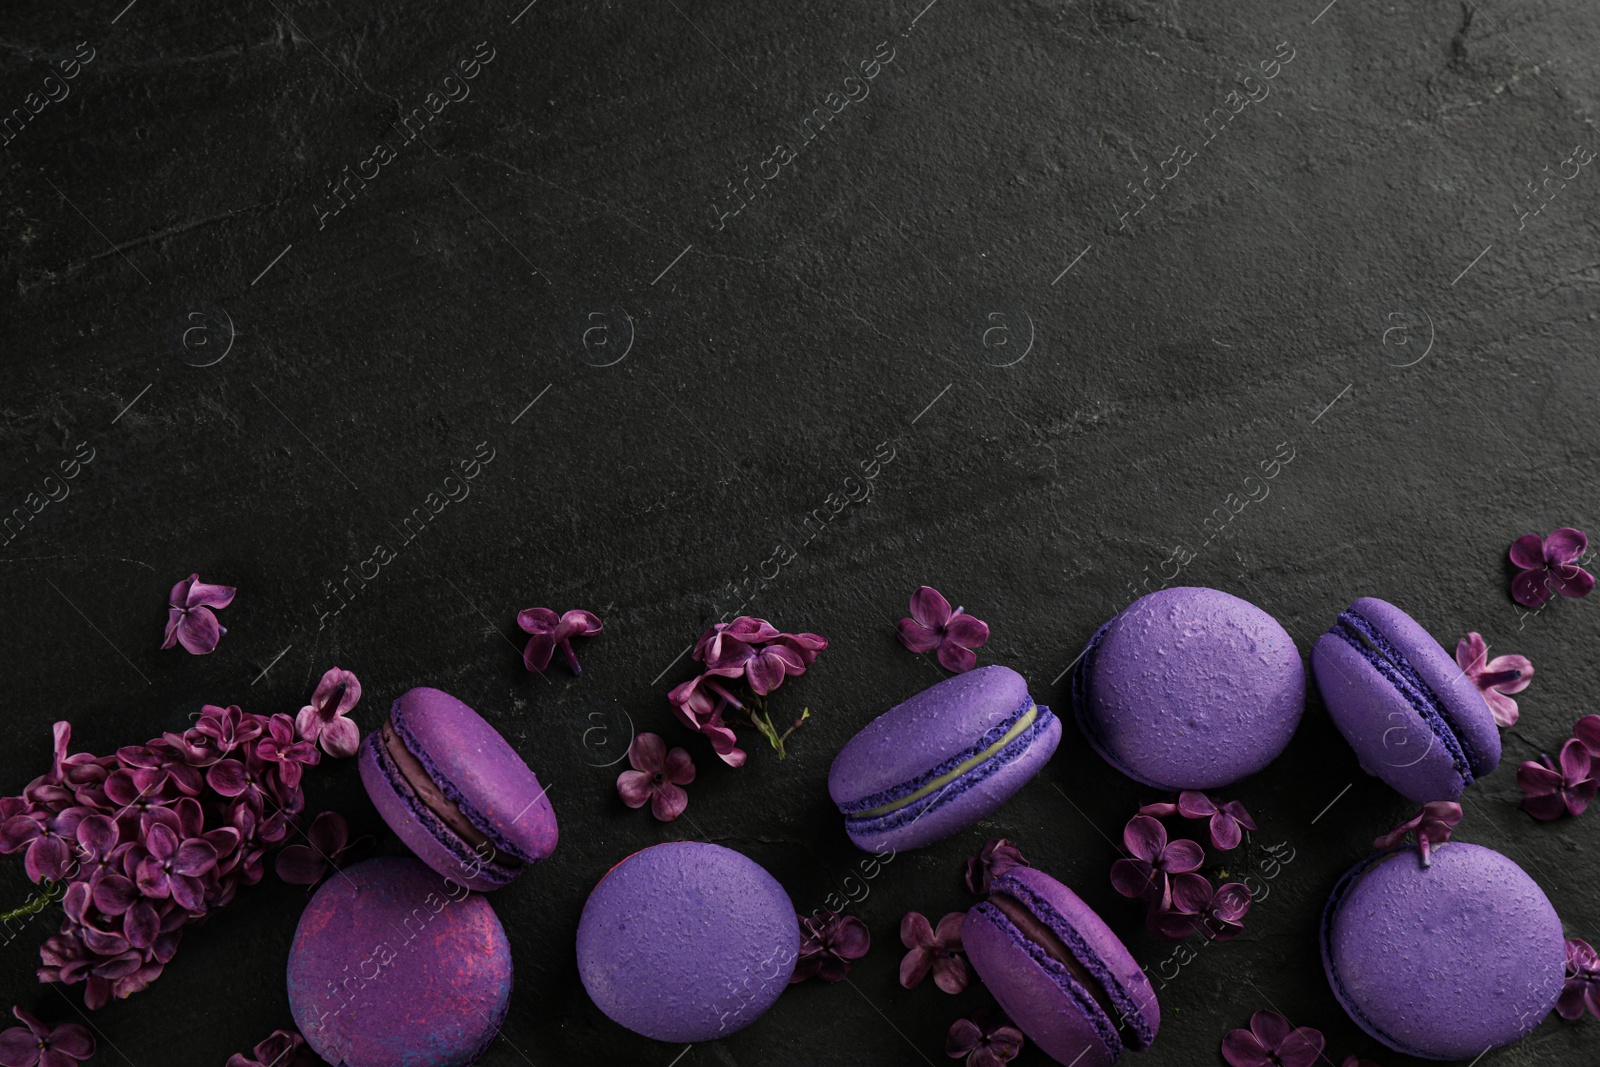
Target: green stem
53 892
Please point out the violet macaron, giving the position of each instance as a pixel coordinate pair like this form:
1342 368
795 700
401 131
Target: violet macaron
1446 961
1189 688
1059 972
455 791
395 966
687 942
1410 713
942 760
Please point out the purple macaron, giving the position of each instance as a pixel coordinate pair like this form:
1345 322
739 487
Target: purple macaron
942 760
1413 717
395 966
687 942
1189 688
1447 961
1059 972
455 791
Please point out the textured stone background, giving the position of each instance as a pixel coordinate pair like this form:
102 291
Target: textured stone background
1352 268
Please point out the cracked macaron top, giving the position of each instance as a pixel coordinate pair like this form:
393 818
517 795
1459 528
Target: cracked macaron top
941 760
1447 961
1059 972
1189 688
1408 711
456 791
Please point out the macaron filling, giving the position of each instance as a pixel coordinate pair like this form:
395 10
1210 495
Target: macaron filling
1045 929
1387 660
448 824
908 801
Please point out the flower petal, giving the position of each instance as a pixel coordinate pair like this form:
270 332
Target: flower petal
679 767
950 974
1564 545
1471 652
536 655
635 788
915 931
1571 581
1301 1048
1132 878
1586 729
340 737
1574 761
930 608
851 939
19 1048
1145 838
1527 552
956 659
1225 831
647 753
300 865
917 637
1183 856
208 595
948 932
1271 1028
1521 666
543 620
966 631
964 1037
1193 804
1531 589
74 1040
170 638
669 802
580 623
199 631
915 967
1191 893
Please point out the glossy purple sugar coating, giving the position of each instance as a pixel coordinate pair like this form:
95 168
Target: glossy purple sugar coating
1051 1004
687 942
1412 716
1443 962
928 735
1189 688
472 765
395 966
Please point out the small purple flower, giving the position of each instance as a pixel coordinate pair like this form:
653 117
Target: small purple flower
323 720
327 840
934 626
1495 678
1228 821
284 1048
1218 914
280 746
173 867
764 667
986 1040
1550 564
1580 991
997 856
1272 1042
1146 876
551 631
657 778
1551 790
1432 825
34 1043
830 944
699 704
728 642
933 950
190 621
227 728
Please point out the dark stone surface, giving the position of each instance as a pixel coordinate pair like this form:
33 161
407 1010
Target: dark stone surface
569 206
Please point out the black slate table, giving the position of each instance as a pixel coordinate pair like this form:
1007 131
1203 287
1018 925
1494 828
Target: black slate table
689 271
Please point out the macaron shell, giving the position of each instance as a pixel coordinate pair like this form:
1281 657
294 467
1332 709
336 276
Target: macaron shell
432 842
393 967
1390 738
1464 706
918 734
1132 991
663 950
1050 1017
967 806
1444 962
478 769
1191 688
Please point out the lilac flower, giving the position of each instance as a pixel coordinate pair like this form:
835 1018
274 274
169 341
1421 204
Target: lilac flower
726 642
1228 821
997 856
174 867
281 747
1587 730
285 1048
327 841
227 727
1580 991
829 944
1495 678
1145 876
190 621
34 1043
699 704
933 950
1550 564
764 667
551 631
658 777
934 626
1218 914
986 1040
47 836
1551 790
1271 1042
1432 825
323 720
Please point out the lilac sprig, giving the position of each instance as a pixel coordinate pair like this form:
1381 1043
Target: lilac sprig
1432 826
753 651
137 845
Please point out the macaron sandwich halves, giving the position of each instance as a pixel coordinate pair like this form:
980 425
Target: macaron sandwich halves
942 760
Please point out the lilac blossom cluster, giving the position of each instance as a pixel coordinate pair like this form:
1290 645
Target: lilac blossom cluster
156 836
